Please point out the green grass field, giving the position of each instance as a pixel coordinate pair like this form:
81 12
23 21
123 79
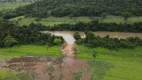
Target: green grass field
51 21
118 19
9 5
114 65
123 64
29 50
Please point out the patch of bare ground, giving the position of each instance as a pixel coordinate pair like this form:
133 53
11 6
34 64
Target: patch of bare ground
61 68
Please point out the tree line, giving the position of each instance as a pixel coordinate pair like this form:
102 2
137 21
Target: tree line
98 26
12 34
91 40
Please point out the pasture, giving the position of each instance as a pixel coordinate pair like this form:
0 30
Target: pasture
123 64
29 50
51 21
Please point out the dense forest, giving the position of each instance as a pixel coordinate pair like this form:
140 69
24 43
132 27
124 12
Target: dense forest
74 8
11 34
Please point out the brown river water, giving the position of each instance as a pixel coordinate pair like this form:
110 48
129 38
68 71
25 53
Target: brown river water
68 35
119 34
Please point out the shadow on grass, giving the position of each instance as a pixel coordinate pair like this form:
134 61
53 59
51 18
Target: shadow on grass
99 68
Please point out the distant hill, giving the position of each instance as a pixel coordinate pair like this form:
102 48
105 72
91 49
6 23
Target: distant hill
60 8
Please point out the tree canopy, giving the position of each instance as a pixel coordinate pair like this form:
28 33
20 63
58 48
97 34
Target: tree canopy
60 8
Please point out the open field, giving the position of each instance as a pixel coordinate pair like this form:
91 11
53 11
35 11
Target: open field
115 65
29 50
118 19
9 5
87 52
123 64
50 21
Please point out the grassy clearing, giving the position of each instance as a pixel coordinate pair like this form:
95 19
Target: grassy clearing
51 21
29 50
9 5
114 65
118 19
87 52
116 69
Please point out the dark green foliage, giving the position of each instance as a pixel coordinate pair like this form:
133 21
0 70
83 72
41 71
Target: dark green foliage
126 15
9 41
80 41
57 41
94 54
60 8
97 26
24 35
77 36
111 43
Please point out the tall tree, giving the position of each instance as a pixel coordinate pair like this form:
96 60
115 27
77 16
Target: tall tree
57 41
77 36
9 41
126 15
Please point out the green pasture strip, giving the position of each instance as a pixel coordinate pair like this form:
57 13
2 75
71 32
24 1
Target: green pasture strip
29 50
50 21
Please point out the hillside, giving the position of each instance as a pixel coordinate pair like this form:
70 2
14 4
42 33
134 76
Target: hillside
74 8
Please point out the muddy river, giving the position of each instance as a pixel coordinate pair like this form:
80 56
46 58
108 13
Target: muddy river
119 34
68 35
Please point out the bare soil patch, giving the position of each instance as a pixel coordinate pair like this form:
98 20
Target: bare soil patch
64 67
50 68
